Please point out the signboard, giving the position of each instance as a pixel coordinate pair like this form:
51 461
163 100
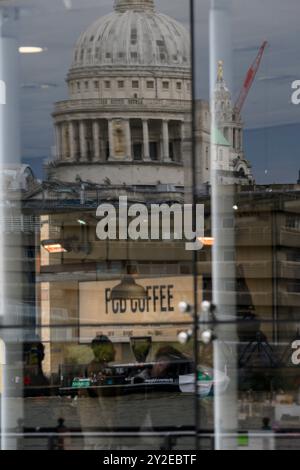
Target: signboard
124 318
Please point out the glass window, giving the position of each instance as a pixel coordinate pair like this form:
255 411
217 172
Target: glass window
150 249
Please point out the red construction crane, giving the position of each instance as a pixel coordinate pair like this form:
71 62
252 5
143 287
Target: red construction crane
251 74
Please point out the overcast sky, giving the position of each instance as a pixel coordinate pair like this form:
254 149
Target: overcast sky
49 24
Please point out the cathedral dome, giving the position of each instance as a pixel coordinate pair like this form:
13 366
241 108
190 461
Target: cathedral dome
129 103
134 36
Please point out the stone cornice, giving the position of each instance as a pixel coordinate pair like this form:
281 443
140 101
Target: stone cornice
140 71
120 105
114 163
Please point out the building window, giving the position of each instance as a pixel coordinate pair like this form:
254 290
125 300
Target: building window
171 151
96 85
166 85
78 86
293 222
135 84
207 158
153 151
134 55
107 84
120 84
121 55
150 84
137 152
133 37
293 287
108 55
86 85
293 256
179 85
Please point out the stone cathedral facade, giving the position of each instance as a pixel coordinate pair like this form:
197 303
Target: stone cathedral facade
127 120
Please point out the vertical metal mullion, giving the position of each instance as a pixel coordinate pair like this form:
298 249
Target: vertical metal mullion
10 279
223 269
194 202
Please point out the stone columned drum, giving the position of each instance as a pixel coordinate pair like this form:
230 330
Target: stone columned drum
129 100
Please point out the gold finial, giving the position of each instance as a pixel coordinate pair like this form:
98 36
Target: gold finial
220 71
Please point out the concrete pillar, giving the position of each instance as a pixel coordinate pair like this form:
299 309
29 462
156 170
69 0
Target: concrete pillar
230 136
165 132
223 273
181 140
65 143
146 139
96 141
57 131
83 142
111 140
128 139
72 142
241 139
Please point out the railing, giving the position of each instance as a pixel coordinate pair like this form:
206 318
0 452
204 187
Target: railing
71 439
160 439
103 103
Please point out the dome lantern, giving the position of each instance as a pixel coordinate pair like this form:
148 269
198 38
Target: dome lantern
137 5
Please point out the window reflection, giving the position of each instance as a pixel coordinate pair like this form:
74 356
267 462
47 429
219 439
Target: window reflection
100 347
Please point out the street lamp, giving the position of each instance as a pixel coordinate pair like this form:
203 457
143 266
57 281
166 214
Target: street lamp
128 289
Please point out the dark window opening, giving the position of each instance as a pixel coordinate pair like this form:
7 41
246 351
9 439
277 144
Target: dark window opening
153 151
171 151
137 152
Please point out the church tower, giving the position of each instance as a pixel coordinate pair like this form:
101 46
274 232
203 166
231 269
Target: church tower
229 124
